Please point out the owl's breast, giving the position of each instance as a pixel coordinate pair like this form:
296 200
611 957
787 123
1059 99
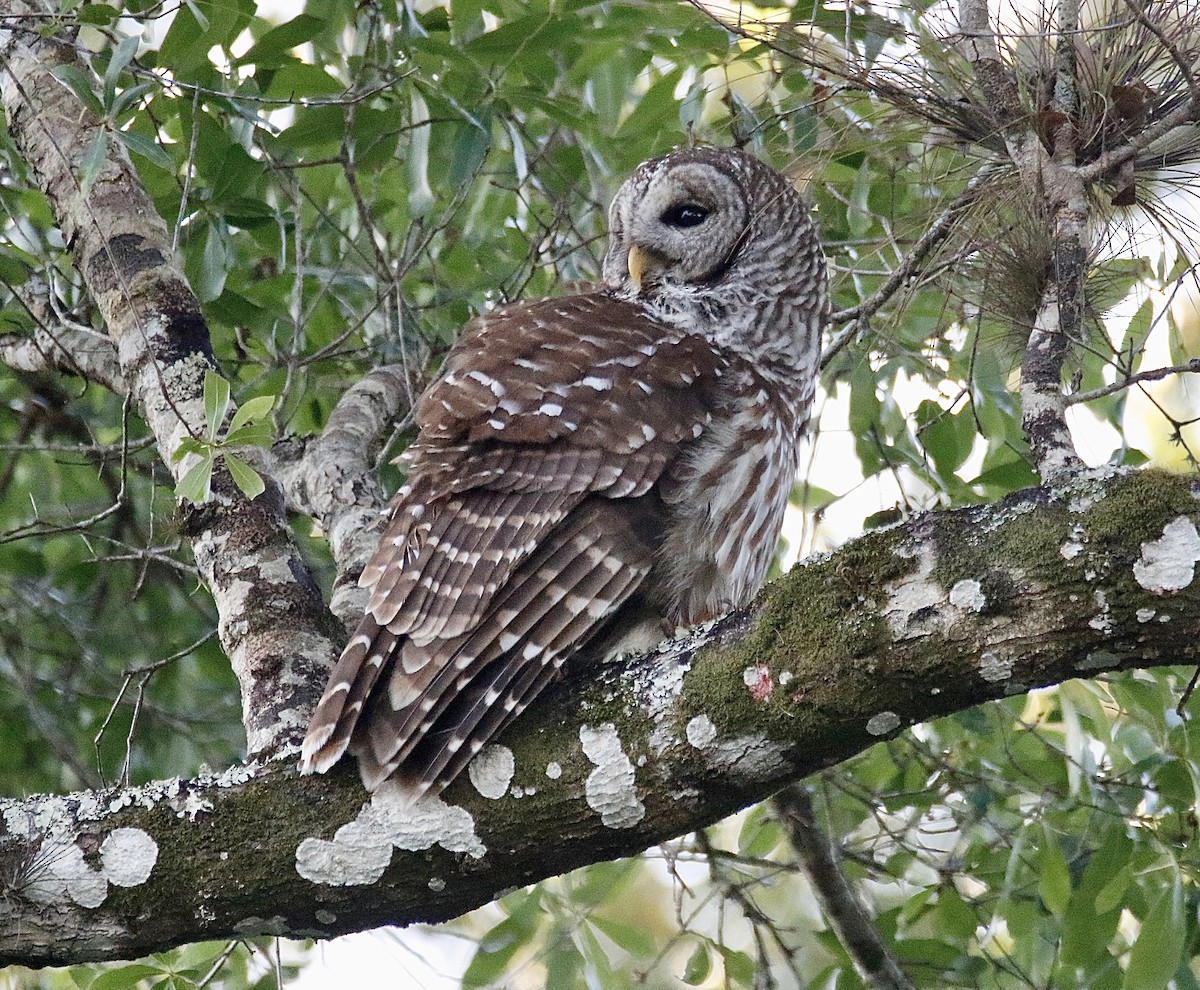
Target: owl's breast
725 504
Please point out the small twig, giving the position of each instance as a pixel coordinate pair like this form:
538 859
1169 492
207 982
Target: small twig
1191 367
1181 63
847 916
858 316
763 977
1187 694
146 671
1181 117
72 348
219 964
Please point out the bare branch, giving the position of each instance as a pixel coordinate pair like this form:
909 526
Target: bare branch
1191 367
849 918
334 479
74 350
935 233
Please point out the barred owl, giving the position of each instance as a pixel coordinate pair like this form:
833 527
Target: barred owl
590 471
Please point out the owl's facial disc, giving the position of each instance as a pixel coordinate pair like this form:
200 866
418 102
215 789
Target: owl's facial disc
685 227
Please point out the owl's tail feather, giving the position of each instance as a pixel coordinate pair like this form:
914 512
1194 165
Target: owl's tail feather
350 684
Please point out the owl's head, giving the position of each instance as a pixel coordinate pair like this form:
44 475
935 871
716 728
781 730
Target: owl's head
704 236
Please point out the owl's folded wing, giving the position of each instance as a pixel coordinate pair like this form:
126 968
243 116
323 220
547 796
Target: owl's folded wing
528 518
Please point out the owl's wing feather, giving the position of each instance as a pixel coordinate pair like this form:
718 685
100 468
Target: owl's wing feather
582 573
506 551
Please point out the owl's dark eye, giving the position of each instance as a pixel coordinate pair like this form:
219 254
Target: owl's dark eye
684 215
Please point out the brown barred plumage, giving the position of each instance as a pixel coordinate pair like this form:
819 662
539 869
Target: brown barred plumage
592 469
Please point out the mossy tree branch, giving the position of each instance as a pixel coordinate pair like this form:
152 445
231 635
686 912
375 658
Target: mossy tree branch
947 611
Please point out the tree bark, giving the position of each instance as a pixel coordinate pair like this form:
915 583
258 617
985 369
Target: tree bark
902 625
273 623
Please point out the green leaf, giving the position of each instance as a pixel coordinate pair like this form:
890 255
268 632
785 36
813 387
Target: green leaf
123 977
1086 930
632 938
252 435
244 476
251 411
127 98
1112 893
194 485
273 47
142 145
93 160
81 85
1159 947
699 965
190 445
216 403
121 56
812 498
495 950
201 17
208 271
1054 879
947 437
97 13
739 967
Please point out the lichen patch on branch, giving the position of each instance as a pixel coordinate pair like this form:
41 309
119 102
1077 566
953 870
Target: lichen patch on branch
60 871
610 787
700 731
492 770
968 594
361 849
1169 563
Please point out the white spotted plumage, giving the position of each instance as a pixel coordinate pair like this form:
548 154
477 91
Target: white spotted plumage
589 471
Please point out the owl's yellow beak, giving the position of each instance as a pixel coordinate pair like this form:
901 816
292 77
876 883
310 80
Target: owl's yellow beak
640 263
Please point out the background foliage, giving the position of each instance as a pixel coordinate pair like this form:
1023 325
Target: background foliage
348 184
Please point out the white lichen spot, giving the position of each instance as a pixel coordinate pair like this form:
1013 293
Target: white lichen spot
1073 546
757 679
437 884
275 925
1071 549
968 594
1145 614
1169 563
994 668
325 917
278 571
1101 622
190 804
609 790
60 870
700 731
786 678
128 856
362 849
883 723
750 757
914 594
553 770
492 770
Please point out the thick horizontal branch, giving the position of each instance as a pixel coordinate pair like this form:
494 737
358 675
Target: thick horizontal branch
274 626
902 625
